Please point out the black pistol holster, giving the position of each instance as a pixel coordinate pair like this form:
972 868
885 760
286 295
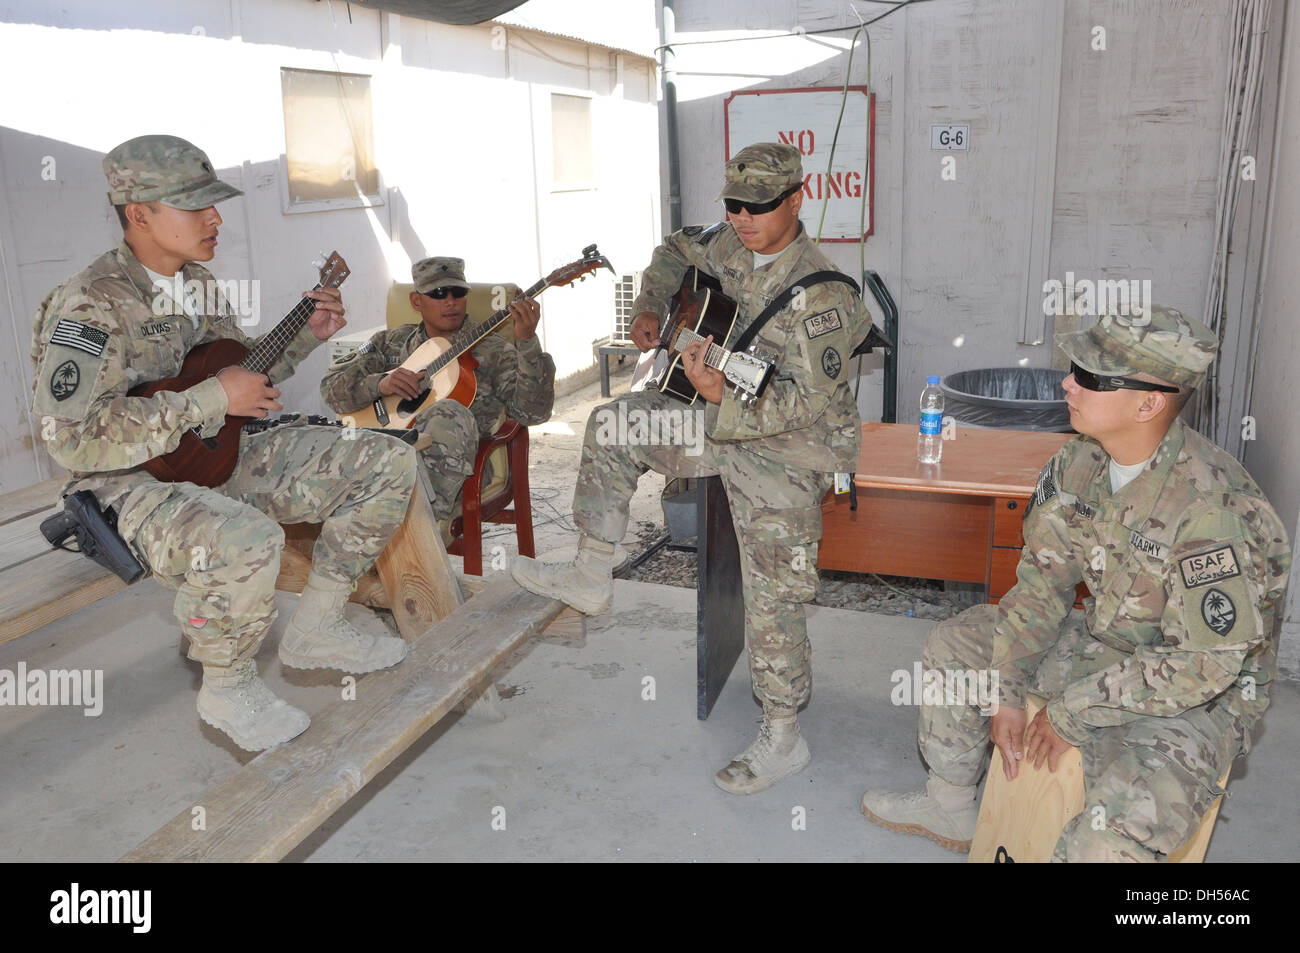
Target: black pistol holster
96 535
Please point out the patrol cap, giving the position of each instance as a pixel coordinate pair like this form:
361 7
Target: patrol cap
761 172
164 169
1161 341
430 274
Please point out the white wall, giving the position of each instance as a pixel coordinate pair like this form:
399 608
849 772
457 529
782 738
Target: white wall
462 138
1137 142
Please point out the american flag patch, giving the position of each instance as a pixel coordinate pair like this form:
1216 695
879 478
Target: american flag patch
81 336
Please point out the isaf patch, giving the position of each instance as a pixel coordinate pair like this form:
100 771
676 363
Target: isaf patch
823 323
831 363
83 337
1201 569
1218 611
65 380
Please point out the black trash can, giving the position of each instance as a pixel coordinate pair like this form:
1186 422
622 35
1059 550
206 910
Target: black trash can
1007 398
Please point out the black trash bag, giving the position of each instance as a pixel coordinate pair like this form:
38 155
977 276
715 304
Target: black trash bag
1007 398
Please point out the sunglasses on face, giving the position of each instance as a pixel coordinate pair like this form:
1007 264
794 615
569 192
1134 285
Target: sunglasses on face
736 206
1102 382
439 293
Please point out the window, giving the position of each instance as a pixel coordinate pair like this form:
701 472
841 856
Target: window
571 142
328 140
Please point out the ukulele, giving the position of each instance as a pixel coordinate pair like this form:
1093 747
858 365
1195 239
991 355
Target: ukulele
700 309
210 461
447 365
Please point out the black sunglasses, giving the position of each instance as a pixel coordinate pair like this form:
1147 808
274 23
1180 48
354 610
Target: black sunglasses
1090 381
736 206
440 293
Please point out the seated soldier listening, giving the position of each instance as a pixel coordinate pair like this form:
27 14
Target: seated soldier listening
1162 680
517 382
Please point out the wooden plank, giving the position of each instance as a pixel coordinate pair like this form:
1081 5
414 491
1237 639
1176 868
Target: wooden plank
269 806
68 582
33 499
420 579
21 539
984 462
907 533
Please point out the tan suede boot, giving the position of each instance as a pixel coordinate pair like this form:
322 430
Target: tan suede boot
234 700
943 812
586 583
319 637
779 752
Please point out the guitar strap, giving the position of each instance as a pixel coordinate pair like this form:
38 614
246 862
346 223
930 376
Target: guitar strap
779 302
784 298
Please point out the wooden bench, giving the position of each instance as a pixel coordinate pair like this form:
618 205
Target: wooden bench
276 800
1020 821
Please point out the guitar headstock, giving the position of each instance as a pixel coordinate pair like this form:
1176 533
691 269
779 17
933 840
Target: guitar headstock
750 373
333 269
578 270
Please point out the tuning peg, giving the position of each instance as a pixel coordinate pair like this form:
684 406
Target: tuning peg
319 261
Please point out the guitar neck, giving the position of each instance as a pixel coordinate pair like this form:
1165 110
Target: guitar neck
466 338
715 356
272 345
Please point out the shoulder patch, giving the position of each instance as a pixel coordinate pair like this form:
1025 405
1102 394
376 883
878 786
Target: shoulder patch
65 380
1043 491
823 323
1213 565
831 363
366 348
81 336
1218 611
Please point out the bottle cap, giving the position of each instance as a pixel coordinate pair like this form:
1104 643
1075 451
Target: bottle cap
932 380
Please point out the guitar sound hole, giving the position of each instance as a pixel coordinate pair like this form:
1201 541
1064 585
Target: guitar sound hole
407 406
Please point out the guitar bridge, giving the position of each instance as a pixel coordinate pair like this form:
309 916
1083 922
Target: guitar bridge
209 442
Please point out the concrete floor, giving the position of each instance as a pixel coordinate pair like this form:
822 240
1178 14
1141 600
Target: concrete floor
582 766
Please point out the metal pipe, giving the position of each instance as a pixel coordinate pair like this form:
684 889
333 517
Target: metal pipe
670 117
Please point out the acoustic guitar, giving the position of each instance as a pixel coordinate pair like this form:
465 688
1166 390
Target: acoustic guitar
445 362
210 461
700 309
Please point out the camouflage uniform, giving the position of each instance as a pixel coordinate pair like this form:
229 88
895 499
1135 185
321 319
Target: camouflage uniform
105 330
1162 679
516 382
776 458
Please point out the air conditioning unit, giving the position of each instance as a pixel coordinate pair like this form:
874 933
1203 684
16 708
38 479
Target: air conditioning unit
625 291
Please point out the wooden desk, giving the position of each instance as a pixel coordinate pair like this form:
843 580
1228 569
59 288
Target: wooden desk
958 519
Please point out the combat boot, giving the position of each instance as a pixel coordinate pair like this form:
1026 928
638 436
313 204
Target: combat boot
943 812
234 700
319 637
779 752
586 583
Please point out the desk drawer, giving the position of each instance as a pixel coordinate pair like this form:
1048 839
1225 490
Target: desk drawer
1008 516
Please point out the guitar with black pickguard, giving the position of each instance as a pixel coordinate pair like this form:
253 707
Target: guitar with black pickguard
701 309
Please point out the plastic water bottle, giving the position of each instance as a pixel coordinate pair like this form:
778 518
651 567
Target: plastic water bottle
929 442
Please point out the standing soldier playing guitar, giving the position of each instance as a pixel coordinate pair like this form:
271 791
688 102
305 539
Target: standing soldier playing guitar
776 456
518 382
112 327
